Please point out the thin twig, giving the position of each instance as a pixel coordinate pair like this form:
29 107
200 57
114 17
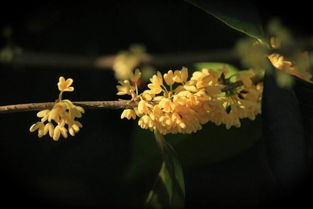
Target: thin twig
79 62
106 62
119 104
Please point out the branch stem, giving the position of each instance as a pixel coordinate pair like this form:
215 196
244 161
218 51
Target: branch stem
119 104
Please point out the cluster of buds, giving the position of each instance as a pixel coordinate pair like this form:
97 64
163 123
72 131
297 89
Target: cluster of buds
282 63
126 61
60 120
174 104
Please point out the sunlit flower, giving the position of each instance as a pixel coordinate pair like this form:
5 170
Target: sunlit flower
180 76
58 131
156 84
281 63
245 77
61 119
38 126
129 87
124 88
298 66
74 127
169 78
194 102
129 114
65 85
126 61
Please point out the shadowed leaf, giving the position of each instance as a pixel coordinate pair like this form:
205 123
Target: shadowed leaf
211 144
216 66
238 15
169 188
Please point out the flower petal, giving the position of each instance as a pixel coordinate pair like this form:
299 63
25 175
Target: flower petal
36 126
43 113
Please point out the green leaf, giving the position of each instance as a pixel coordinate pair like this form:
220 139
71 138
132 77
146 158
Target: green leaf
215 143
238 15
169 188
216 66
145 153
210 145
283 79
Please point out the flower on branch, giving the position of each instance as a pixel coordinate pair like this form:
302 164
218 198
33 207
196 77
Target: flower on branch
126 61
174 104
129 87
281 63
65 85
61 119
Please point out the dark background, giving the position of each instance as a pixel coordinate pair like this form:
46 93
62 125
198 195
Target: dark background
85 171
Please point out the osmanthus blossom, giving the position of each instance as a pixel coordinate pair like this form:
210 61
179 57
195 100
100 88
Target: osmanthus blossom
174 104
65 85
61 119
126 61
280 62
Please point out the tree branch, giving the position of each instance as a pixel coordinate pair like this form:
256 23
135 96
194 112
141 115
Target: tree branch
106 62
119 104
79 62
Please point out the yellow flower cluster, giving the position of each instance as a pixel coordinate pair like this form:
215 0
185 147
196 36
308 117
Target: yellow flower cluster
290 67
126 61
60 120
174 104
281 63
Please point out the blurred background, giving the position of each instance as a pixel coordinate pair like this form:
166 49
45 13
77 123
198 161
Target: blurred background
111 163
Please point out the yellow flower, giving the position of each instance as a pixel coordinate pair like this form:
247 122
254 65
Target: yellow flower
124 88
180 76
245 77
299 66
279 62
166 105
59 129
147 95
63 114
49 128
65 85
169 78
156 84
205 84
174 111
123 66
196 101
146 122
129 87
126 61
232 118
57 112
144 107
74 127
205 78
242 102
128 113
38 126
73 110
